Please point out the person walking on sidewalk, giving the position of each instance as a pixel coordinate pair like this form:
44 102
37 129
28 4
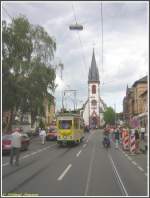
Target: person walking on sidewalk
43 135
116 132
15 146
137 141
142 133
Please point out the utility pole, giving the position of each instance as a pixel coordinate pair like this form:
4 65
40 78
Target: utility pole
115 113
66 91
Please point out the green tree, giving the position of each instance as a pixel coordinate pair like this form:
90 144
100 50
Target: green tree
109 116
26 70
16 48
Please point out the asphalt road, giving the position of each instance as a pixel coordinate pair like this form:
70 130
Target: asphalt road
87 169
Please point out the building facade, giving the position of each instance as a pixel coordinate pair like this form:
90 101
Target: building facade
135 101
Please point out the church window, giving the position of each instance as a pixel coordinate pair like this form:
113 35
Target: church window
93 102
93 89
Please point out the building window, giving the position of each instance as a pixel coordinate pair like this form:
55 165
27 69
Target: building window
93 89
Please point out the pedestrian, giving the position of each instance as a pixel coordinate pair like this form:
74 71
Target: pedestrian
137 141
15 146
116 133
142 133
43 135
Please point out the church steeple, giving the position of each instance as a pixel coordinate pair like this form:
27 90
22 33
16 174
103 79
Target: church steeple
93 71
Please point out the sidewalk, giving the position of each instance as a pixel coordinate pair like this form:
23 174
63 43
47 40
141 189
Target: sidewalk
143 146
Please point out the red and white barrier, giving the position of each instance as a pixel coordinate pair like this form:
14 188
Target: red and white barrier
132 144
125 140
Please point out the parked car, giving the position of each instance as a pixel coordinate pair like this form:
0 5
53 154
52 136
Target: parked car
51 134
6 142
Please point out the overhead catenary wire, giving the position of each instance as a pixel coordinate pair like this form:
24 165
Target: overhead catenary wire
7 13
83 57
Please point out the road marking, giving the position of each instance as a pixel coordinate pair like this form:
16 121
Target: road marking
140 168
5 164
30 154
33 153
90 171
133 162
25 156
87 141
84 145
64 173
78 153
118 176
129 158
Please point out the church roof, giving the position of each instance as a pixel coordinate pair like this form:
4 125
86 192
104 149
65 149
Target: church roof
93 70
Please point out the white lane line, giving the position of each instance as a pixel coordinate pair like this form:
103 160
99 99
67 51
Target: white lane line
90 172
33 153
64 173
129 158
133 162
25 156
78 153
84 145
118 176
140 168
28 155
5 164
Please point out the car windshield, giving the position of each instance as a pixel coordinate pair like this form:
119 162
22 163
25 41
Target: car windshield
6 137
65 124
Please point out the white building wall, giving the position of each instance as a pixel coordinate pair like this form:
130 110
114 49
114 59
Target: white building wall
86 114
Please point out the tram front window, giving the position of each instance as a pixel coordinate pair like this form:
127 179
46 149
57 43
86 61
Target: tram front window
65 124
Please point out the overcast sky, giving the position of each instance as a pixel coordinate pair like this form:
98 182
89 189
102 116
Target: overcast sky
125 43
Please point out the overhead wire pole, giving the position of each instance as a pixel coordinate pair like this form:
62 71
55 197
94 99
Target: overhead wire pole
74 91
84 61
102 38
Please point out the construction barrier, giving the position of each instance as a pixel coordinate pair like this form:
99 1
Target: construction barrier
125 140
132 144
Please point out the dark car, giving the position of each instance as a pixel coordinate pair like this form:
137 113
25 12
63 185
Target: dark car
6 142
51 134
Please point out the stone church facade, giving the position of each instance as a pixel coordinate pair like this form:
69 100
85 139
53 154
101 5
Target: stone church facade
94 106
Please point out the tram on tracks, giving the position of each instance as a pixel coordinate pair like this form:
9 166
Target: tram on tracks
70 128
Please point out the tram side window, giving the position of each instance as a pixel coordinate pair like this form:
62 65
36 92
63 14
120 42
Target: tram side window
65 124
76 123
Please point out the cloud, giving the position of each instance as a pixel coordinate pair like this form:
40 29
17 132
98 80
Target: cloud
125 46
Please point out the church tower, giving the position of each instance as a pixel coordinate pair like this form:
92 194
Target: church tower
94 94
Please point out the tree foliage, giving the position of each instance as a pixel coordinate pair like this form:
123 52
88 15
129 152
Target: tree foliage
109 116
26 72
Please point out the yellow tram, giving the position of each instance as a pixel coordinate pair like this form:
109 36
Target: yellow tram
70 129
